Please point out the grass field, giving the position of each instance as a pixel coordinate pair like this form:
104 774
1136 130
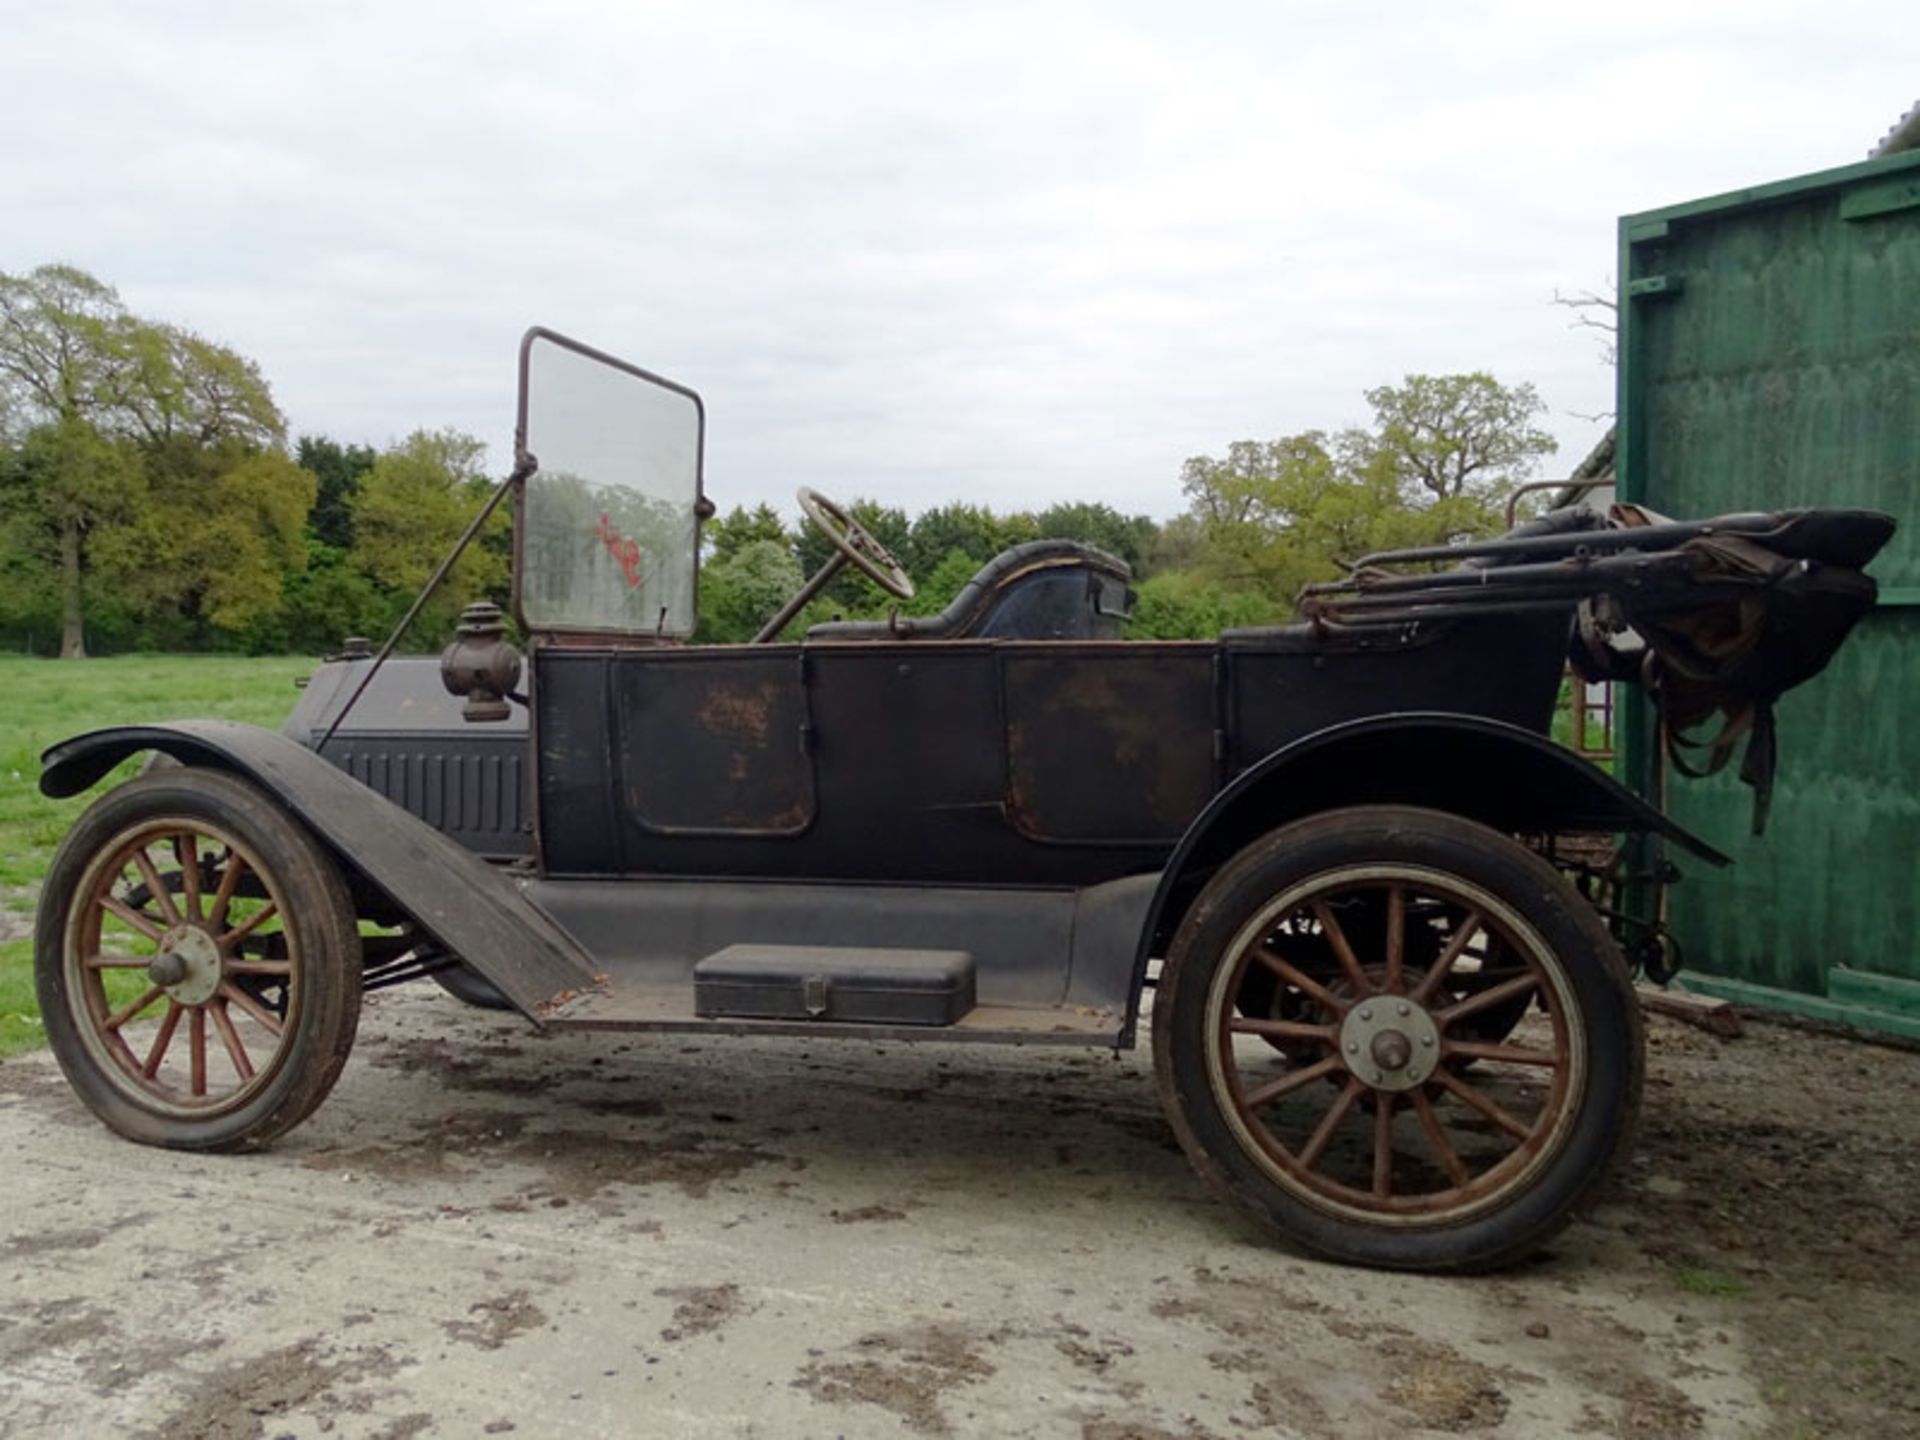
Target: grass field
48 700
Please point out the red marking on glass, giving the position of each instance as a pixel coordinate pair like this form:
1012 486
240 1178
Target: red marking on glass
623 550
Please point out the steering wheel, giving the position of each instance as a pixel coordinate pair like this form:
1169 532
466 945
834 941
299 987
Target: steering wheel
852 540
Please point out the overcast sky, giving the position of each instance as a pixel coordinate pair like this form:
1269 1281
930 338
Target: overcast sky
1015 252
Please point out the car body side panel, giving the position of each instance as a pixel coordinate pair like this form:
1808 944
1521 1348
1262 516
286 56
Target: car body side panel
472 909
969 762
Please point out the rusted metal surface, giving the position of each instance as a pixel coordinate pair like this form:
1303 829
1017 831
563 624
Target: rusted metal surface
714 744
1120 751
1363 1006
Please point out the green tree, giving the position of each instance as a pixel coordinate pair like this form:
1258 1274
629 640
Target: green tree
180 386
337 471
1452 437
410 508
741 590
227 570
944 582
67 483
325 602
1128 536
1177 605
141 455
66 359
1441 455
726 535
973 529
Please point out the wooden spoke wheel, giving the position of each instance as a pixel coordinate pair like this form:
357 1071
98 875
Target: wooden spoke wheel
1363 915
1399 1038
198 963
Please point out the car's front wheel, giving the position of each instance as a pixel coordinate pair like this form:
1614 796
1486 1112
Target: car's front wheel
197 962
1367 1115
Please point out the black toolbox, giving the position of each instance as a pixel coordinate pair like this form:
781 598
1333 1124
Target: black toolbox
824 982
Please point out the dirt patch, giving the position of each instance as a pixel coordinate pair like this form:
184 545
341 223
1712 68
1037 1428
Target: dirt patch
1777 1179
51 1326
18 1076
474 1069
702 1309
1654 1410
55 1242
866 1215
108 1356
430 1154
239 1400
906 1372
1136 1430
576 1165
1087 1351
16 911
1444 1390
638 1107
1237 1308
583 1164
499 1320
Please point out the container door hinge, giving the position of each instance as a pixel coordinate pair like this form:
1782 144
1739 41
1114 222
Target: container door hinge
815 995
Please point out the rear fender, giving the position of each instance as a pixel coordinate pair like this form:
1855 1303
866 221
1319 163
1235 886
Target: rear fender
475 911
1509 779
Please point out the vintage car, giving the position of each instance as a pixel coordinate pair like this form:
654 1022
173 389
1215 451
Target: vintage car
1337 866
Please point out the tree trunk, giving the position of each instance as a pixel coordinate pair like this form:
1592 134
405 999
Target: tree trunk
73 642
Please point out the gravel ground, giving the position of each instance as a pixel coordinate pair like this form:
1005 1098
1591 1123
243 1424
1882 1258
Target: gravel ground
485 1231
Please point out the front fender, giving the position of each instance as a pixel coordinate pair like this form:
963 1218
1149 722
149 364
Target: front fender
472 909
1509 779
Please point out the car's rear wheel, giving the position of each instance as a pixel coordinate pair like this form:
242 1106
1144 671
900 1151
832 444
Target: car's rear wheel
197 963
1336 1106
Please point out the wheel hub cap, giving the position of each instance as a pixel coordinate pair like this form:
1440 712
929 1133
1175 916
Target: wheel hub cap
188 965
1390 1043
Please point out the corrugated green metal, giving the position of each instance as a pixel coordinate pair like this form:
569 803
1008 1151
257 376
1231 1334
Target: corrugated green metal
1770 357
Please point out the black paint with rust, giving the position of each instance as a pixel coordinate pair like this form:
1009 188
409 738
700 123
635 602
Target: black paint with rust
975 761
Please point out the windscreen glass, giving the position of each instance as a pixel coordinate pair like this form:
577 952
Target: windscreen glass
608 527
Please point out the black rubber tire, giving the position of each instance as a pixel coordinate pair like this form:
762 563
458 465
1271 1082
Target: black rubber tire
470 987
1603 1011
319 917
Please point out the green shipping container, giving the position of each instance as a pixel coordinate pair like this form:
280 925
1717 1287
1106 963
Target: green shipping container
1770 358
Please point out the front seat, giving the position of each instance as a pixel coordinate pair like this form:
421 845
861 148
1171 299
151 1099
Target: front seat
1042 590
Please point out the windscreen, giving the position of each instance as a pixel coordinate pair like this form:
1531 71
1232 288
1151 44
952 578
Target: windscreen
608 527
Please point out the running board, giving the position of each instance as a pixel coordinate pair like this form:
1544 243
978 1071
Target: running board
626 1007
